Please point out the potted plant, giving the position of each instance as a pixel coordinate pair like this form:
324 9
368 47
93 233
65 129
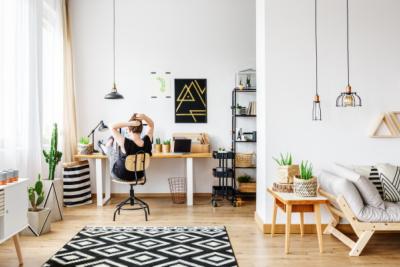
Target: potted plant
286 169
84 146
166 146
157 146
38 218
305 184
246 185
53 187
240 110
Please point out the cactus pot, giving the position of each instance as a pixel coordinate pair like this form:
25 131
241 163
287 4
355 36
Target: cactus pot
50 195
166 148
157 148
37 221
305 188
85 149
286 173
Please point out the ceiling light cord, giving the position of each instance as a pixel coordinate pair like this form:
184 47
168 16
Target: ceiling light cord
316 47
348 44
114 41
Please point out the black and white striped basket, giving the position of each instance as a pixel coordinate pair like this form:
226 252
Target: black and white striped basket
77 190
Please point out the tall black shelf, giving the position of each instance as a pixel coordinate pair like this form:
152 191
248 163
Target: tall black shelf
235 92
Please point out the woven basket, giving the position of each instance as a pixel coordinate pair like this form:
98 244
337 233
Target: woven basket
177 186
244 160
305 188
85 149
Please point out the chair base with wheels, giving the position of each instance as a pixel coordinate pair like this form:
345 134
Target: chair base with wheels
132 202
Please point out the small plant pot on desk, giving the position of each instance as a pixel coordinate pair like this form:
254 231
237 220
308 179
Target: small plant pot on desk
85 149
305 187
157 148
166 148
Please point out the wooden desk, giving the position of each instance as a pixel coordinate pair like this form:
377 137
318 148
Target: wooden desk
288 203
101 159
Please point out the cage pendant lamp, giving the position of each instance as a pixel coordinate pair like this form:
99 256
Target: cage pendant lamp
114 92
316 110
348 98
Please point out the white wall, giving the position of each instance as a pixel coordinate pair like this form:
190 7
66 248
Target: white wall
192 39
342 136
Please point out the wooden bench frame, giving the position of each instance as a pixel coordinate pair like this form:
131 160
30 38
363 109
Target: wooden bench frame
363 230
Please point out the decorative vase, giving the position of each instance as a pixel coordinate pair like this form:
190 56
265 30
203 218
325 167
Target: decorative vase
157 148
54 198
305 188
39 222
286 173
84 149
166 148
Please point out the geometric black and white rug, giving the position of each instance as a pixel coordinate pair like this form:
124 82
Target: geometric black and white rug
146 246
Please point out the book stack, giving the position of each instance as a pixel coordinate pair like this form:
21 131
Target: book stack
252 108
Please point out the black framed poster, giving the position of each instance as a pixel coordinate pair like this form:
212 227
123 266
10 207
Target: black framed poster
190 100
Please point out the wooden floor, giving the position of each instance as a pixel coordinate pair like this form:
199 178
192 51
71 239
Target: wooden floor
252 248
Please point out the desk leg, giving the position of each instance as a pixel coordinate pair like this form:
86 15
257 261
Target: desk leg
274 211
317 211
287 230
302 223
99 182
107 182
18 249
189 181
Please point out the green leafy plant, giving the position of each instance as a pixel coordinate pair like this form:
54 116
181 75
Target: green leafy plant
158 141
167 142
36 194
284 160
244 178
306 170
84 140
53 156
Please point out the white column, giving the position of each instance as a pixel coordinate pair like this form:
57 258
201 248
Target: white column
189 181
99 182
107 181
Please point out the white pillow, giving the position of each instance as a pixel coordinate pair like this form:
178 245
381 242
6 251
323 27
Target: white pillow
390 178
367 190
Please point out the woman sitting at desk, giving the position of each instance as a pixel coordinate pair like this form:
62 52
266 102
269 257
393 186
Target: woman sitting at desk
129 146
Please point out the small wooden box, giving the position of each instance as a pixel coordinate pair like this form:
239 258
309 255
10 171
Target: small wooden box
200 148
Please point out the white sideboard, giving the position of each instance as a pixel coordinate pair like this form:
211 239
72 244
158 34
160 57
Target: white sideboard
13 211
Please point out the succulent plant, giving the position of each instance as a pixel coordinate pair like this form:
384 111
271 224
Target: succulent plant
245 178
284 160
167 142
306 170
158 141
84 140
53 156
36 194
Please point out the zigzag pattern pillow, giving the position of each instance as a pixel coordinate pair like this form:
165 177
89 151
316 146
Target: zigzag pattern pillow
390 178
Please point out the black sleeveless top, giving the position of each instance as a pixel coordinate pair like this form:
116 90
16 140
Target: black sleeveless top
131 149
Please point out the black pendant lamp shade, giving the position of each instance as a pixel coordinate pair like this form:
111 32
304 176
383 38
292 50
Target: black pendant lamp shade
316 111
114 92
348 98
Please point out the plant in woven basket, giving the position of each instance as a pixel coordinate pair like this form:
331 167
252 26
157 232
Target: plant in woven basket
245 178
286 169
166 146
305 184
84 146
157 145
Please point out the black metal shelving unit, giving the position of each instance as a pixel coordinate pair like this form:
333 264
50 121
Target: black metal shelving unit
226 188
234 148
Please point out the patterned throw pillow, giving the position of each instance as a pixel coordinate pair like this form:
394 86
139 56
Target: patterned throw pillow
372 173
390 178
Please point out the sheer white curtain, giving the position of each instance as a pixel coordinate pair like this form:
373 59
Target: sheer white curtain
26 76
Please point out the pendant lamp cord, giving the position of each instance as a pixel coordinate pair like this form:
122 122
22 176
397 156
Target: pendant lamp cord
348 49
114 42
316 47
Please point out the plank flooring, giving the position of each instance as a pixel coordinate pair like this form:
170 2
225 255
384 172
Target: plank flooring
252 248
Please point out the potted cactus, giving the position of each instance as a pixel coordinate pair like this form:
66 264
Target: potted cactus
84 146
157 146
305 184
53 187
286 169
166 146
38 218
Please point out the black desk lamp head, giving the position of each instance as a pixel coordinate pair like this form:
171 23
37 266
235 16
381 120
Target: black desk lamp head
100 127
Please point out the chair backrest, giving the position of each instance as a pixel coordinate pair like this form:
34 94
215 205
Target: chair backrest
138 162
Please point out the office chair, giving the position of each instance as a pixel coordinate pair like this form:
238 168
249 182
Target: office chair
134 163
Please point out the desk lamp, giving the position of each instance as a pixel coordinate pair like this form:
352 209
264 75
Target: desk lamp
101 127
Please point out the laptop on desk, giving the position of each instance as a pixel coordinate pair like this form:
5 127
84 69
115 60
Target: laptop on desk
182 146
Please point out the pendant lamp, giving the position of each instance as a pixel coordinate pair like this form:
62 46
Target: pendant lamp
348 98
316 111
114 92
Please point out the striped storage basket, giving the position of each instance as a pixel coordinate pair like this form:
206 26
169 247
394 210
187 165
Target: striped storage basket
77 184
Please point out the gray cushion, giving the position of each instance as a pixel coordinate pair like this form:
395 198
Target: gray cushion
338 186
369 193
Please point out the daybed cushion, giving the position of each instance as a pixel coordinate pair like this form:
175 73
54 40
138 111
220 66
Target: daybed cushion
390 178
338 186
368 191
